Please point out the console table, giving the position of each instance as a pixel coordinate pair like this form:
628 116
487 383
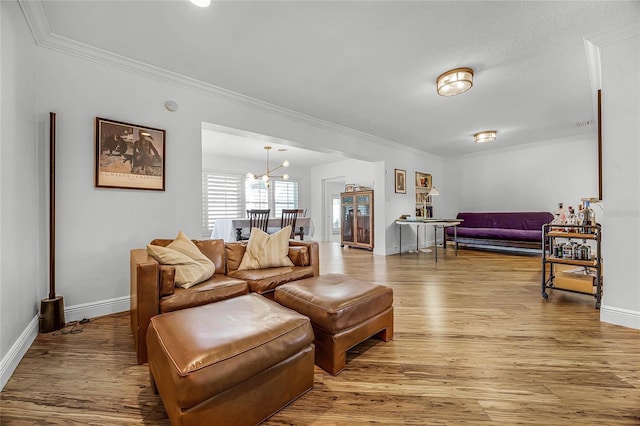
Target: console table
436 223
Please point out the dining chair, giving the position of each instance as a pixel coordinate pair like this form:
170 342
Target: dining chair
289 217
258 218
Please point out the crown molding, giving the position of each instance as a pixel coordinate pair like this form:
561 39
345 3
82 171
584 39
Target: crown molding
592 45
622 31
39 26
36 19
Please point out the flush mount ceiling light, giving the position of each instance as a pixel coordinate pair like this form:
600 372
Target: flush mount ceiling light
454 82
201 3
486 136
267 175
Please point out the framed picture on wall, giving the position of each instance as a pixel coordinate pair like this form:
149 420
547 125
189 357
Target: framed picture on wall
129 156
423 180
401 181
350 187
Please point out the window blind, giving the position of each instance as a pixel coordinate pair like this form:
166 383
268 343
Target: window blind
221 198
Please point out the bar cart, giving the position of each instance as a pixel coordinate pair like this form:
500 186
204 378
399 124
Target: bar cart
559 251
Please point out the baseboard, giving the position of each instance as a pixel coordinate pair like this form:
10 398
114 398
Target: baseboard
96 309
10 361
619 316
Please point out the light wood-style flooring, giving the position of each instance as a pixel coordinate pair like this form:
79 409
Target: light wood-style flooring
474 344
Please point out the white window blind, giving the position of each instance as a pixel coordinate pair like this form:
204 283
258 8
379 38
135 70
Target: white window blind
221 198
256 194
285 196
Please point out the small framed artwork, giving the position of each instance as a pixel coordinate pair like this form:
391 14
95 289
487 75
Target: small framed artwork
350 187
423 180
401 181
129 156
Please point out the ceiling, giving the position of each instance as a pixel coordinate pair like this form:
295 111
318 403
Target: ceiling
371 65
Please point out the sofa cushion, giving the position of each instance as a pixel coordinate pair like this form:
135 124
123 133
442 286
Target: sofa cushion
192 266
216 288
500 234
267 251
264 281
167 280
213 249
506 220
299 255
235 252
516 226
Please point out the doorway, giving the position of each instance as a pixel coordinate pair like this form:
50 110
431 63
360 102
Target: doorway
331 208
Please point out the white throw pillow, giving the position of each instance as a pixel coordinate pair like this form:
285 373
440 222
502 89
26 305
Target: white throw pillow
192 266
267 251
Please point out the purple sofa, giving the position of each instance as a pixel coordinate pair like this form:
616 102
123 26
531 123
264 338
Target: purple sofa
503 229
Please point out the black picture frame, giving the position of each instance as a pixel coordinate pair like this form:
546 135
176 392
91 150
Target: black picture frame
129 156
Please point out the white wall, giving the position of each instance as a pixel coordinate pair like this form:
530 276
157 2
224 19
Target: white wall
534 177
98 227
388 205
621 179
23 266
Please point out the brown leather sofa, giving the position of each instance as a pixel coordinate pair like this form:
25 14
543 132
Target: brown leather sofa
153 290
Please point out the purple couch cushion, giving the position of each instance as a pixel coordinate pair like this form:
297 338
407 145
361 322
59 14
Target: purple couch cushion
523 226
500 234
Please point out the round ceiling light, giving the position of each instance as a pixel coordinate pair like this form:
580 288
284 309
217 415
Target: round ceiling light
486 136
454 82
201 3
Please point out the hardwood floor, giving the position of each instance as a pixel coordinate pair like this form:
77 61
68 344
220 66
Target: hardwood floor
474 344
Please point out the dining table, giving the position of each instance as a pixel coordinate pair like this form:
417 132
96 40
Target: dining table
230 229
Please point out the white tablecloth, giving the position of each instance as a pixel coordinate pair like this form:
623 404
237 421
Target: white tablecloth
226 228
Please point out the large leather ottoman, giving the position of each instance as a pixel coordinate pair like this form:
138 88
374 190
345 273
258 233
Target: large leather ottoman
233 362
344 311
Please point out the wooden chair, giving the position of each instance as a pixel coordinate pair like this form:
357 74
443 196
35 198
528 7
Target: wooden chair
257 219
289 217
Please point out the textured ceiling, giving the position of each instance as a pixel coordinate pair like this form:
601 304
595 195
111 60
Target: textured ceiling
371 66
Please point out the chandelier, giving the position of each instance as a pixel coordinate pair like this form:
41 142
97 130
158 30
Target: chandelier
267 175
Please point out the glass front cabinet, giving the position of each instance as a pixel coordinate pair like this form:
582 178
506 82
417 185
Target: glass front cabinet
357 219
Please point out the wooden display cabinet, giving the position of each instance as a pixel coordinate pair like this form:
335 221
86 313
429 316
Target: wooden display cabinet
356 210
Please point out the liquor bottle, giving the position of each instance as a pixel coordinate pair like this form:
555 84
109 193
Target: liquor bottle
557 250
571 216
590 217
567 250
585 251
562 214
580 219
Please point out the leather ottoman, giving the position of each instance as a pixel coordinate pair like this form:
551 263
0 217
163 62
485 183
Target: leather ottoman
344 311
233 362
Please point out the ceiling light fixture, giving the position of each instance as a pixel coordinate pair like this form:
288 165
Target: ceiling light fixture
486 136
267 175
201 3
454 82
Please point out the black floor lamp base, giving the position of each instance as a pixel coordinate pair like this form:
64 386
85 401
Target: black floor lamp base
51 314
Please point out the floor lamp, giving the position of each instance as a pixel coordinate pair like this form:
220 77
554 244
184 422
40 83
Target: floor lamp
52 308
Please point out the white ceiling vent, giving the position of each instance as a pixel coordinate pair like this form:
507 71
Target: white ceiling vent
583 123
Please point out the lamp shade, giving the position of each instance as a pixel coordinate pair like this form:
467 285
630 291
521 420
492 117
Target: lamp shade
485 136
454 82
